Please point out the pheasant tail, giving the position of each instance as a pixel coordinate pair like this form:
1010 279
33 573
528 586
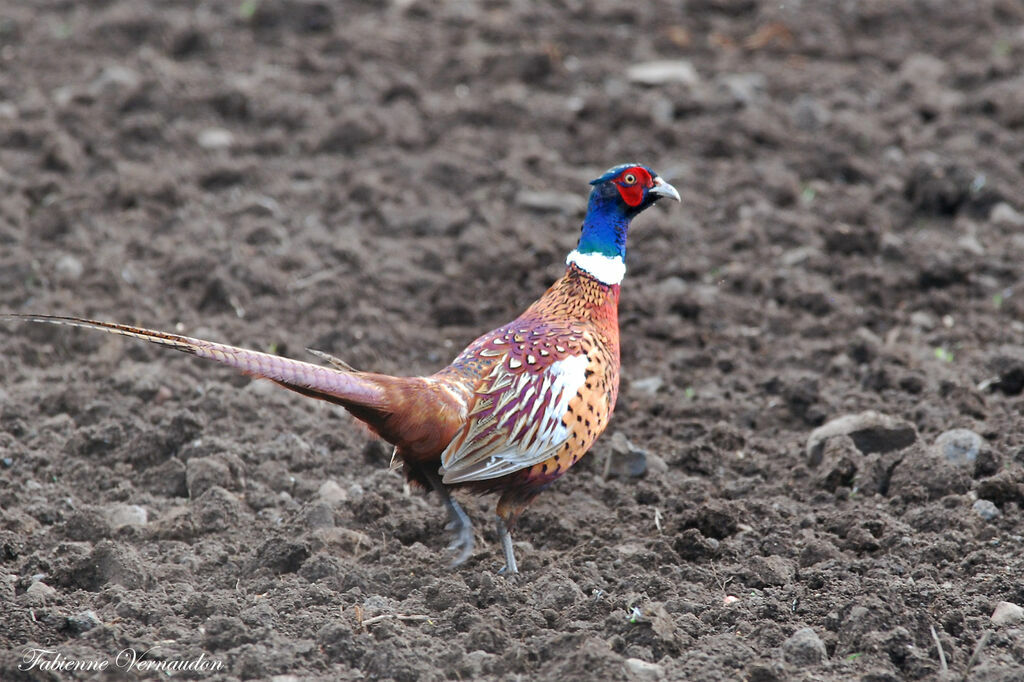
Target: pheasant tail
343 387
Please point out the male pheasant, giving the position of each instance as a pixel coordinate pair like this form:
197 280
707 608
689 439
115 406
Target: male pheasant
516 408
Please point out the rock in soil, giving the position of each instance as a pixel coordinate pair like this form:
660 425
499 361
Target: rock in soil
870 432
82 622
625 459
959 446
120 515
639 669
1007 613
39 591
985 509
804 648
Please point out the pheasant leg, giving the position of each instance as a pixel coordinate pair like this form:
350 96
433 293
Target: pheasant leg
458 521
506 546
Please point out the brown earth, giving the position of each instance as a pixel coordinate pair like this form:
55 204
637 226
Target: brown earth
384 183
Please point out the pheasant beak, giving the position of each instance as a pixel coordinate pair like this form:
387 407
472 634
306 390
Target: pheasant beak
663 189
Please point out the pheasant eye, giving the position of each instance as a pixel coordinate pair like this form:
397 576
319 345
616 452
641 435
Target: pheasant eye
629 179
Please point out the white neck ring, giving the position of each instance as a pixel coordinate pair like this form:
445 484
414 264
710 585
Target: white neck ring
605 269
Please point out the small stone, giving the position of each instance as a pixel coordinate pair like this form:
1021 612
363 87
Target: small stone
870 431
796 256
332 494
69 267
120 515
959 446
82 622
1007 613
923 320
630 550
1004 214
804 648
649 385
639 669
663 71
743 88
40 591
625 458
115 77
986 509
216 138
163 394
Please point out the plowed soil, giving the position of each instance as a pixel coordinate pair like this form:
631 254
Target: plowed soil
383 182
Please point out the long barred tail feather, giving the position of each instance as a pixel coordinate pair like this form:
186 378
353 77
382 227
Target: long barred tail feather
334 384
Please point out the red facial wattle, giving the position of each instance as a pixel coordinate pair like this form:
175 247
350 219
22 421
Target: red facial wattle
631 184
631 194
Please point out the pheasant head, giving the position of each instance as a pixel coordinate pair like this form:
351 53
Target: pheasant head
618 196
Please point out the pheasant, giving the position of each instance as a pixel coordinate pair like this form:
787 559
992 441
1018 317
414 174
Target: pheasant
517 408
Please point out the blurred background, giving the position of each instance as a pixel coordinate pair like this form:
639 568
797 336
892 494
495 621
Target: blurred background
386 180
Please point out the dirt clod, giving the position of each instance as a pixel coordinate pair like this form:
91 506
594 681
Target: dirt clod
804 648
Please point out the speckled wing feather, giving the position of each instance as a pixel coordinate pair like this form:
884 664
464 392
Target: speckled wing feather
516 414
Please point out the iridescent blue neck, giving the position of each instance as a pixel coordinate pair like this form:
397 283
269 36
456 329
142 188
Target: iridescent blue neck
602 248
604 227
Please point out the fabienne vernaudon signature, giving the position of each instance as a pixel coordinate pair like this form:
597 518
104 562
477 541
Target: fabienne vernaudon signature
126 660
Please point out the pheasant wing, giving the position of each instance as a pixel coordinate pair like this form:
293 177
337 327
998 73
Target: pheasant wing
516 415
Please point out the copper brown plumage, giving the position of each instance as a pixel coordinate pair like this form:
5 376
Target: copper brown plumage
518 407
